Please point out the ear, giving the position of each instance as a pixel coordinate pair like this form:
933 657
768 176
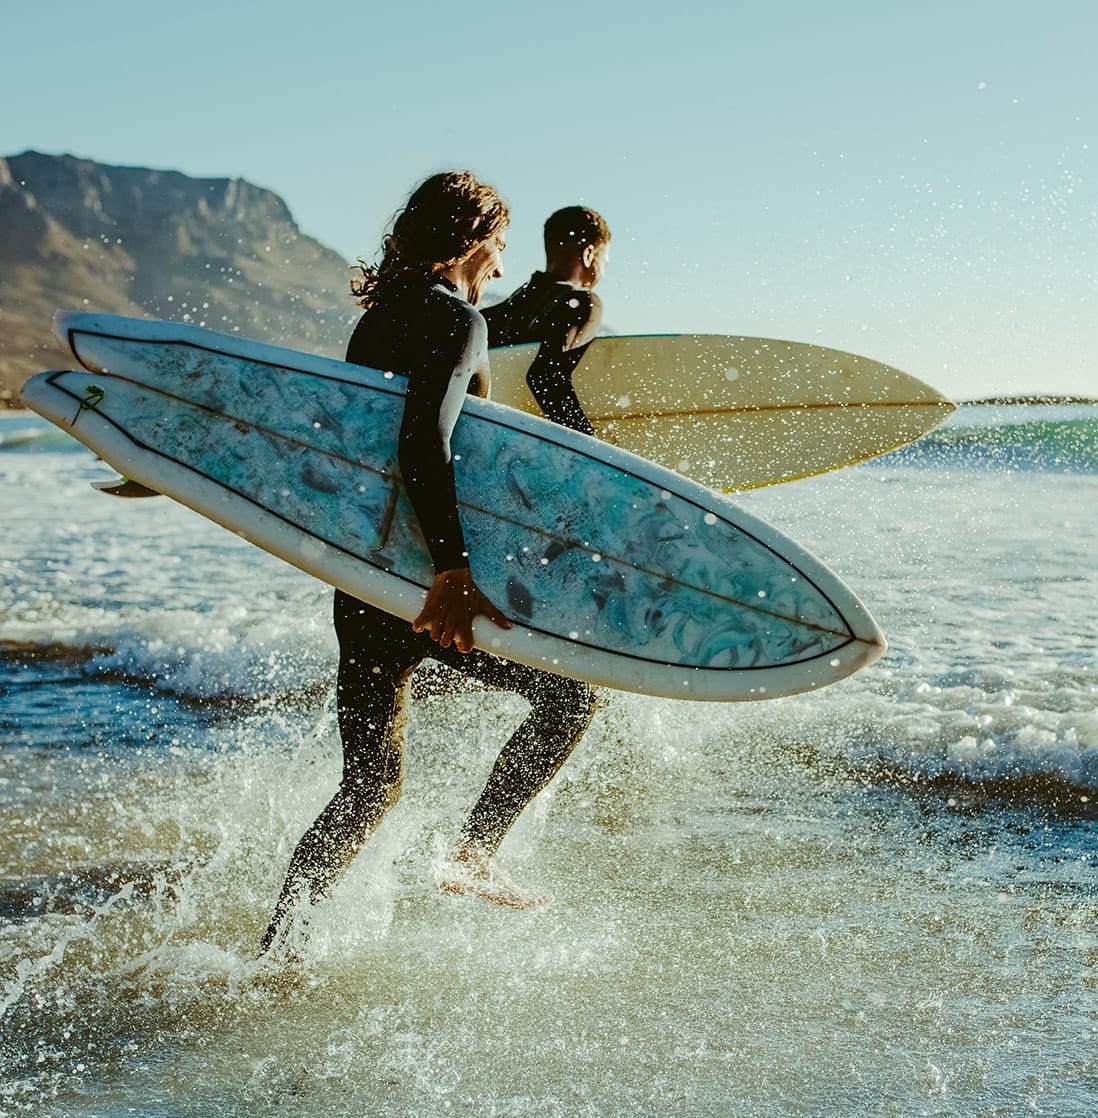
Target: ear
588 255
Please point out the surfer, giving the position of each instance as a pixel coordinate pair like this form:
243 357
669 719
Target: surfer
420 321
559 309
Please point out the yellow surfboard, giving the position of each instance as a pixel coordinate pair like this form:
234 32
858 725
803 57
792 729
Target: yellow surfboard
734 412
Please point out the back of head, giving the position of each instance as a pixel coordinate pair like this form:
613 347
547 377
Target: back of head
570 230
445 218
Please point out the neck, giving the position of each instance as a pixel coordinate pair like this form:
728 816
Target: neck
571 271
455 274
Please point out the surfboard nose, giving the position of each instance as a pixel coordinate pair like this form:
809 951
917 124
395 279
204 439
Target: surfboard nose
876 647
60 325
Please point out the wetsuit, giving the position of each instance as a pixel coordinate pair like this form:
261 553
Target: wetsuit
564 318
425 332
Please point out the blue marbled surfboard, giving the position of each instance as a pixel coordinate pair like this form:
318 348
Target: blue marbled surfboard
612 569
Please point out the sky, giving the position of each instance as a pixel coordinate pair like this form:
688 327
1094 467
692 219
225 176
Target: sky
917 183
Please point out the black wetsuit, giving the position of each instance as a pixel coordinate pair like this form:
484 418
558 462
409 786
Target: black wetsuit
564 318
438 341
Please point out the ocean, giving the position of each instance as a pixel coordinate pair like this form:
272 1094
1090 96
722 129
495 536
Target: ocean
876 899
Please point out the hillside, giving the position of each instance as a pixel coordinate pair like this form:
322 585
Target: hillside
219 252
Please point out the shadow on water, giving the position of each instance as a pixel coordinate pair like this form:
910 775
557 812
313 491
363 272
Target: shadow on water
84 892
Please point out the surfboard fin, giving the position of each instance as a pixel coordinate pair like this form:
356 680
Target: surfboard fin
124 487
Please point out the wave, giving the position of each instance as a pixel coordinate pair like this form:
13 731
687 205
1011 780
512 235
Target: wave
973 737
1020 437
200 661
30 434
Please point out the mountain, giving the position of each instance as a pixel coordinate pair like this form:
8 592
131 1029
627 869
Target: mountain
129 240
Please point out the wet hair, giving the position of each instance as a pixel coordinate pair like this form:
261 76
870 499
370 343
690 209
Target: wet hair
445 218
575 227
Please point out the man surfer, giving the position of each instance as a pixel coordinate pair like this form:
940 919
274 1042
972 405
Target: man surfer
420 322
559 309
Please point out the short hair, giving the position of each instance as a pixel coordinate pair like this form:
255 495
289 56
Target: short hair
575 227
446 216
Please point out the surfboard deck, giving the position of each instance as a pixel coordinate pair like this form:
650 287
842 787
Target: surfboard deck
612 569
732 412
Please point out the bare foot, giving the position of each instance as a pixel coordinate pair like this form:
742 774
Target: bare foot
470 872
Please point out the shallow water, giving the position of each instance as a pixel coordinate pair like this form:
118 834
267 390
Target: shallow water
881 898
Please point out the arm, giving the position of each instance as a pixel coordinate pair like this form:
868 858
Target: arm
434 399
550 380
563 346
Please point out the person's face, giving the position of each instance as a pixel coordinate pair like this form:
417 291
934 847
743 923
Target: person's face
484 263
594 263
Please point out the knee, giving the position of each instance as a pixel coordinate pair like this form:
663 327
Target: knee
390 793
571 704
585 702
365 798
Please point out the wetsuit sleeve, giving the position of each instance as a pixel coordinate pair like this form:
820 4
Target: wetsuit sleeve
563 345
496 318
435 394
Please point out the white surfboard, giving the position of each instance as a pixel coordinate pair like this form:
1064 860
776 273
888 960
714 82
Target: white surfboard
613 570
734 412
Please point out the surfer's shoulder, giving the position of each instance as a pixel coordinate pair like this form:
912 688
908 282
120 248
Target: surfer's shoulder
578 314
456 318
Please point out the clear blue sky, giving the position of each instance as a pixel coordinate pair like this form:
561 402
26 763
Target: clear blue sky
914 182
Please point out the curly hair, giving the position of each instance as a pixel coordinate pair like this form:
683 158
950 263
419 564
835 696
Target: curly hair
447 216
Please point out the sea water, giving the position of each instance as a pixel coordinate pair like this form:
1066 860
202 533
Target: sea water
881 898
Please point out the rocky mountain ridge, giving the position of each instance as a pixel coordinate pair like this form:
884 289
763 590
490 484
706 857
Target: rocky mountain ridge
222 253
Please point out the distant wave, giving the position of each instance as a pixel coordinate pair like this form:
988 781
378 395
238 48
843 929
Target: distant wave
1019 437
30 434
253 674
1010 438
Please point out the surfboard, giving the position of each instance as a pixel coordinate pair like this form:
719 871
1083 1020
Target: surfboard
612 569
735 412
